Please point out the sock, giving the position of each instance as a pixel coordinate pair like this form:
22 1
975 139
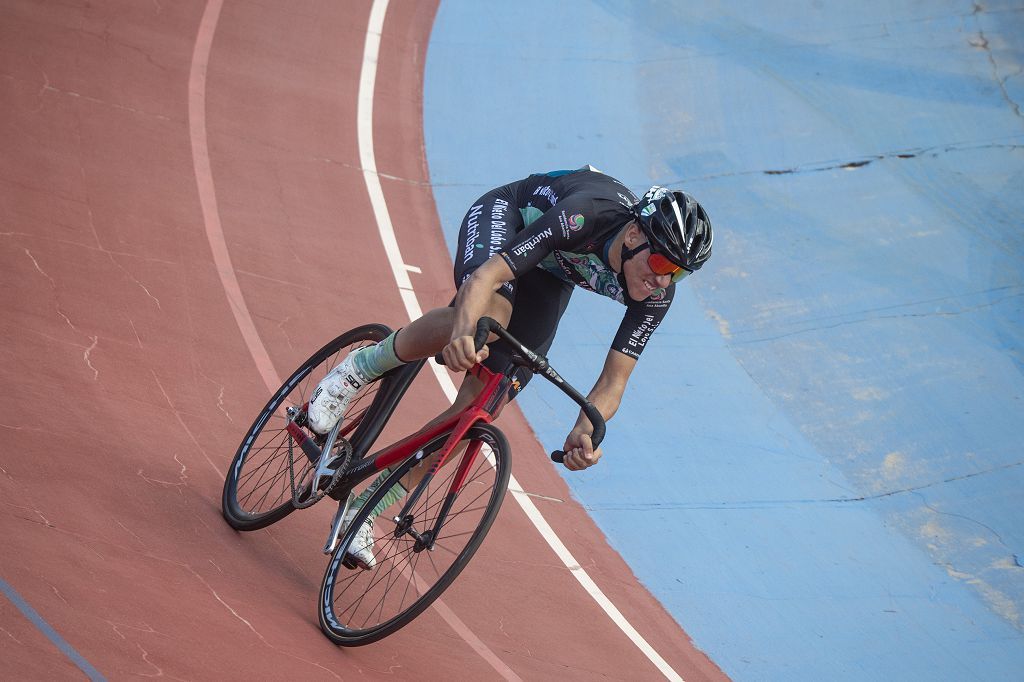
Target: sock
372 361
394 495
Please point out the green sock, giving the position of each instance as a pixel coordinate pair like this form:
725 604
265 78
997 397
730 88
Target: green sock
393 495
373 361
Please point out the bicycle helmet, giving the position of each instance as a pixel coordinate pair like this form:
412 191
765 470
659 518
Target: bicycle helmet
676 226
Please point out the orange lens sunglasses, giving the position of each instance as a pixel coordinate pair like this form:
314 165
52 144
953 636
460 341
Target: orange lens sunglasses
663 266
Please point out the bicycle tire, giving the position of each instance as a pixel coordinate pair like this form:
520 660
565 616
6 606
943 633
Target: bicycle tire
257 489
342 594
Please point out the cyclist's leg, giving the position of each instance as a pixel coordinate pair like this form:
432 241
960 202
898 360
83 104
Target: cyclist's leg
428 335
488 227
541 300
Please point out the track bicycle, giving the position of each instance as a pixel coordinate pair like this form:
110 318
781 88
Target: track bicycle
423 541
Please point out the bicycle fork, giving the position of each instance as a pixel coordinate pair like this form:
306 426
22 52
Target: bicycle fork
405 519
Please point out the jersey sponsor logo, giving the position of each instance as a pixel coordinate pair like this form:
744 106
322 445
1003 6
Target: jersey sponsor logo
499 227
638 337
530 243
508 261
574 223
472 232
546 192
570 224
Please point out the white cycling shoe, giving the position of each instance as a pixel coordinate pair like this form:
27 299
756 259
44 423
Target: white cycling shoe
360 550
332 395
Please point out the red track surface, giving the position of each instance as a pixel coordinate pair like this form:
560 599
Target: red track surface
127 384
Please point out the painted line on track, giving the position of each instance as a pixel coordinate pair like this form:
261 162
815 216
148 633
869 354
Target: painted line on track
400 270
51 634
226 271
368 162
208 195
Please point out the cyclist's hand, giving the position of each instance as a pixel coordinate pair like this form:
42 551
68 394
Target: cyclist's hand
579 452
460 354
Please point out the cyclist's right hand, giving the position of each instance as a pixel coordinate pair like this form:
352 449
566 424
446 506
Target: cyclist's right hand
460 354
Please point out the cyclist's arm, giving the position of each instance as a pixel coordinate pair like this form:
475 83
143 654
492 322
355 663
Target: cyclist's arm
606 397
639 322
471 303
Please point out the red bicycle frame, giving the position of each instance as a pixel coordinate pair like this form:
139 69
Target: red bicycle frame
458 424
484 408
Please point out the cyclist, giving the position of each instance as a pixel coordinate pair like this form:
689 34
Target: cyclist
522 249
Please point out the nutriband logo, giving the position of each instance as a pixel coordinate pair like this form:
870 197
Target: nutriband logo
472 231
531 242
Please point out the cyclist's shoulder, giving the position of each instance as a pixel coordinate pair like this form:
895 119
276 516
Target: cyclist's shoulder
580 183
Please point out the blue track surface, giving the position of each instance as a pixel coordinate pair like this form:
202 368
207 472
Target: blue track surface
832 485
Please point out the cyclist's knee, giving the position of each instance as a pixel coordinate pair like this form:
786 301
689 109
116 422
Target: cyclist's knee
468 391
499 310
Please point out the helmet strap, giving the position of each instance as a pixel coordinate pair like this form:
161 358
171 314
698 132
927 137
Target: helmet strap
626 253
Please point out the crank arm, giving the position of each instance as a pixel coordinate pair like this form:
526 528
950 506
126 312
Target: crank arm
339 519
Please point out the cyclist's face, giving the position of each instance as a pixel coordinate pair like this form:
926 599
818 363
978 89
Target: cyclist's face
641 281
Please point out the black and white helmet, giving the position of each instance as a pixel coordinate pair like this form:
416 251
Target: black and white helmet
676 226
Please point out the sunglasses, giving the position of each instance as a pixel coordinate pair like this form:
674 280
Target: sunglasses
663 266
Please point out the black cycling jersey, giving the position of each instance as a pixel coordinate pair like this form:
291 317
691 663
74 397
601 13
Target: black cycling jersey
565 224
554 231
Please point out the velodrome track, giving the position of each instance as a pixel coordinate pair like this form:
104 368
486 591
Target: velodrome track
186 217
827 485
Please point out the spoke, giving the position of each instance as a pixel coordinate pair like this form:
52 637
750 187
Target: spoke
268 485
376 576
387 591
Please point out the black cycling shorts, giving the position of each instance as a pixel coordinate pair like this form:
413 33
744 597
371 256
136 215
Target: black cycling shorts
538 298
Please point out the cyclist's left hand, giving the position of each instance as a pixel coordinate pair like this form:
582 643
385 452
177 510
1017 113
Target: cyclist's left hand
579 452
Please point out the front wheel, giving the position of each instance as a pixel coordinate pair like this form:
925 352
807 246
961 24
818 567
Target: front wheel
258 488
415 561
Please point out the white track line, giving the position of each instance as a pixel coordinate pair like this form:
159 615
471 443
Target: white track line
401 272
226 271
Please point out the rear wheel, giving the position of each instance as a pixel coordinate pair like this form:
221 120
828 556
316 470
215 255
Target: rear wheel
258 488
413 566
